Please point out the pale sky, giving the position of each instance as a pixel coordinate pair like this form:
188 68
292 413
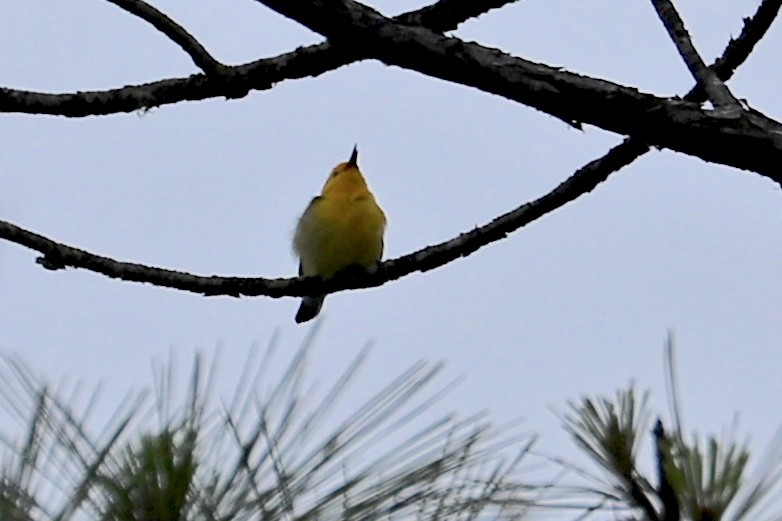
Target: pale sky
579 302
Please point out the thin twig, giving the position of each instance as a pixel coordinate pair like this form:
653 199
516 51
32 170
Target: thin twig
754 29
175 33
717 91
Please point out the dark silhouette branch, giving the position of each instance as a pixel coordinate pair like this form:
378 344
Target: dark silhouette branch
736 52
446 15
753 31
233 81
718 93
58 256
749 141
174 32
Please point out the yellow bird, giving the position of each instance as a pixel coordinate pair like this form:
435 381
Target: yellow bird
342 227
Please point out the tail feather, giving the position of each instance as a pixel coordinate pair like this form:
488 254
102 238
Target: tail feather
309 309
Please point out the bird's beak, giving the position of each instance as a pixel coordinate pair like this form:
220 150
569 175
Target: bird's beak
353 161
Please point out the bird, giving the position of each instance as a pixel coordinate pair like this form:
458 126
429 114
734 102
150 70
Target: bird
341 227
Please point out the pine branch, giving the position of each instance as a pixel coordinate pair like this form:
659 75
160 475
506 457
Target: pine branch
671 510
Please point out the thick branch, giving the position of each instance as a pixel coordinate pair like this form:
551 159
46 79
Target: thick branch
58 256
736 52
718 93
232 82
174 32
749 141
446 15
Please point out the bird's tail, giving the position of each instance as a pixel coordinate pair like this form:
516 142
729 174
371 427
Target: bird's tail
309 309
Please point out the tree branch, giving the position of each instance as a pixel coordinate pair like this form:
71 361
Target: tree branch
174 32
233 81
58 256
446 15
748 141
736 52
753 31
718 93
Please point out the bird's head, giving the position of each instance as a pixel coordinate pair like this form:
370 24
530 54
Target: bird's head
346 177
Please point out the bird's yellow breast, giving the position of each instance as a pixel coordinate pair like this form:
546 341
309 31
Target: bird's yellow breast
339 230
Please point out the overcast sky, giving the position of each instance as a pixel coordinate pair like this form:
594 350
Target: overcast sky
578 302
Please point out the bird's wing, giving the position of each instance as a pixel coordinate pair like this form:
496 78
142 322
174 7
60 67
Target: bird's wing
306 217
303 228
315 201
